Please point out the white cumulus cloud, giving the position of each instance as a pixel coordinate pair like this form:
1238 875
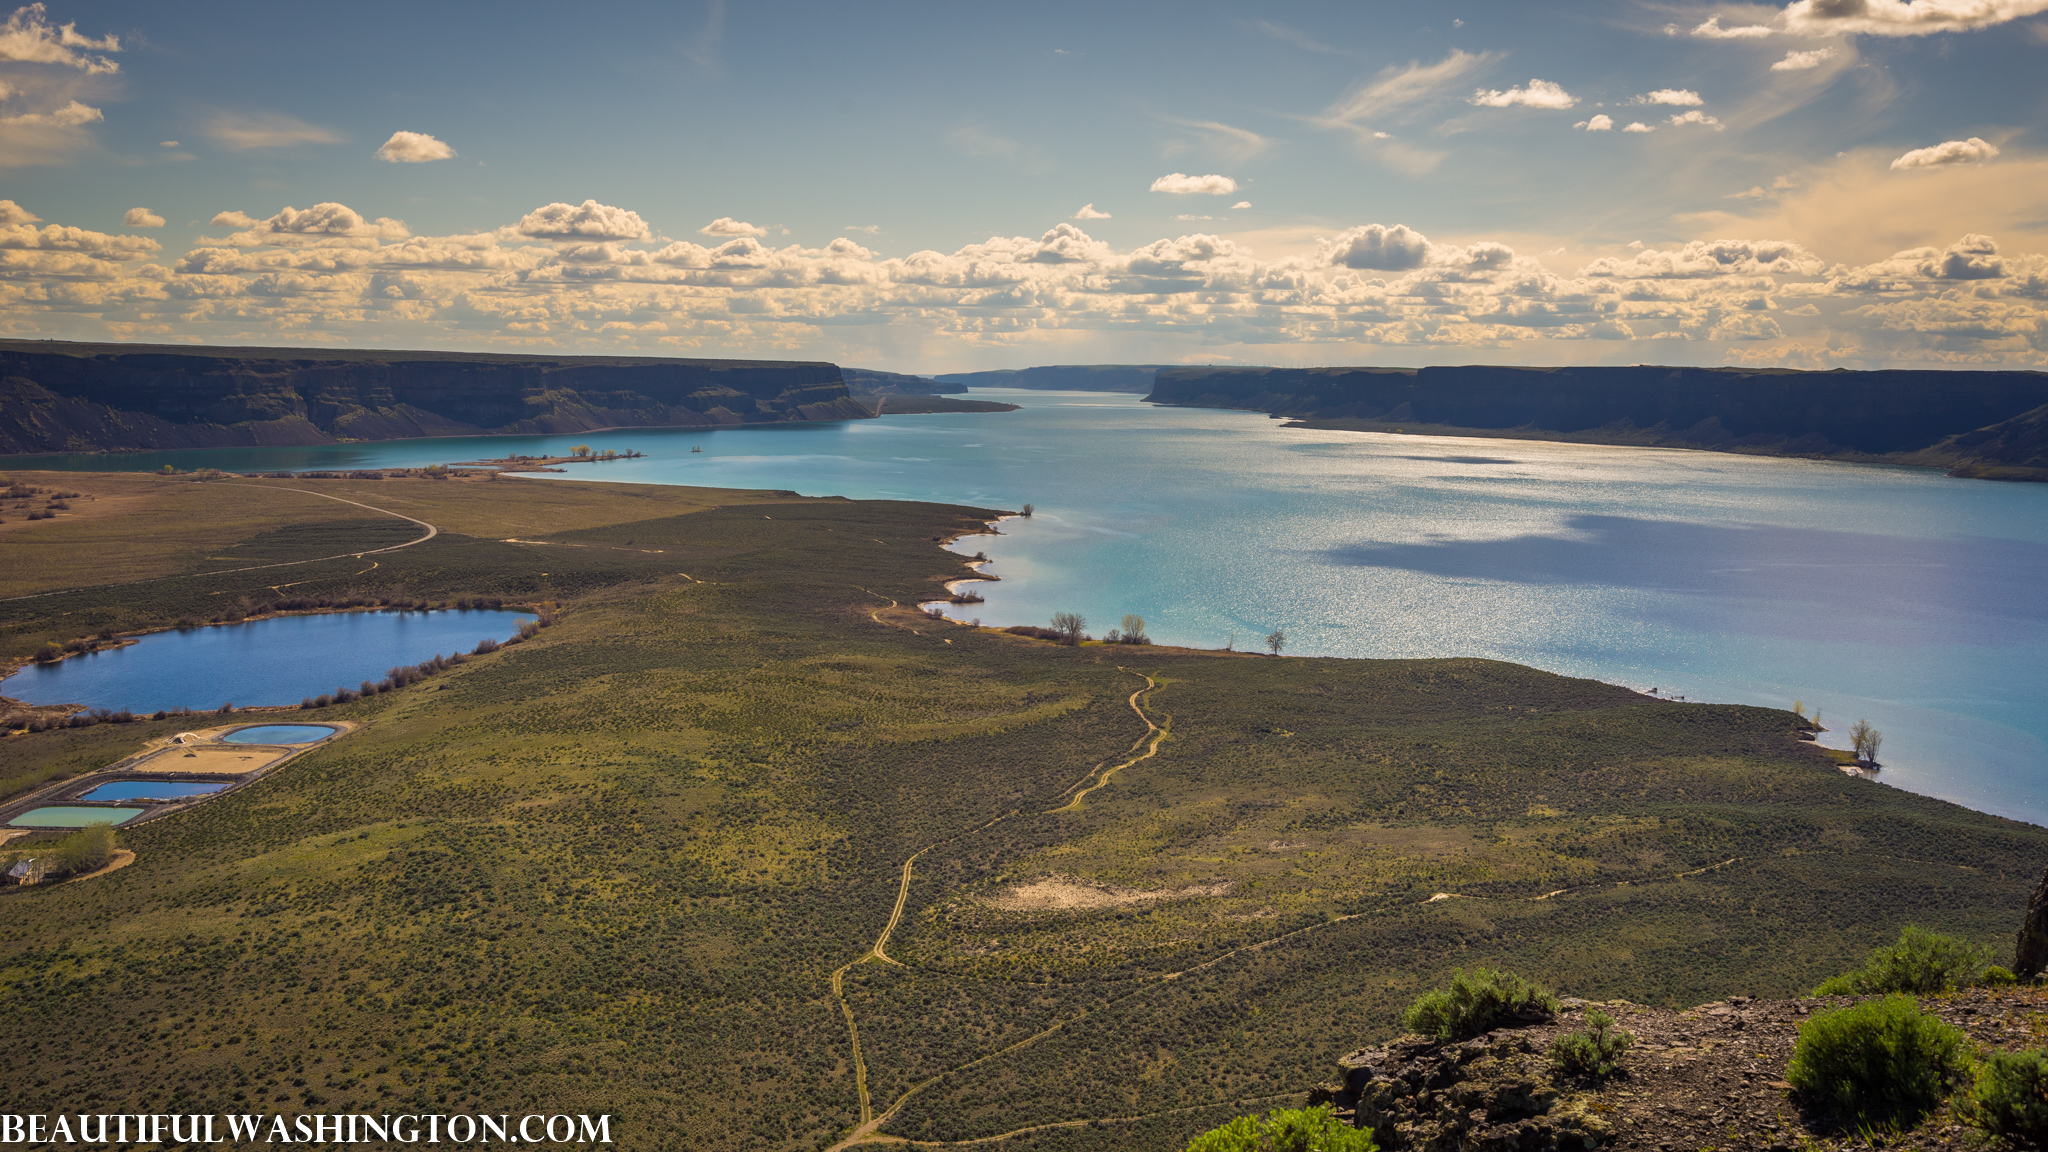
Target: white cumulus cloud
1601 122
141 218
1539 94
1241 204
1638 126
1090 212
1903 17
1696 117
1683 97
727 226
1182 184
29 37
1380 247
413 148
70 115
1971 151
586 221
1801 61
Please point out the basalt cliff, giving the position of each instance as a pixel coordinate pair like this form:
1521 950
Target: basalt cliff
1987 424
63 397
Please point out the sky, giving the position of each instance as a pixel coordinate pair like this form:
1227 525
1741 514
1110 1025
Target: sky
931 187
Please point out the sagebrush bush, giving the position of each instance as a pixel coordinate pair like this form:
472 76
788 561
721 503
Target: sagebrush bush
1594 1050
2009 1100
1478 1001
1919 961
1881 1059
1285 1130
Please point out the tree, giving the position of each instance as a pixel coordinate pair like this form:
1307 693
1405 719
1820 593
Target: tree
1068 625
1866 740
1026 512
1134 628
580 450
1275 641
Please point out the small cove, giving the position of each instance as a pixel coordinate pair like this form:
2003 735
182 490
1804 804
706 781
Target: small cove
277 660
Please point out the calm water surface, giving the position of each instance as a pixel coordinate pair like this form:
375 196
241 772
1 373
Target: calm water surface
281 660
1889 593
154 790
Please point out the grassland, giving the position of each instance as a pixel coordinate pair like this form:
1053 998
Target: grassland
616 867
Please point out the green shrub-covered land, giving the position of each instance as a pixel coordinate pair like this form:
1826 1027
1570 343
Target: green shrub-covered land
617 866
1919 962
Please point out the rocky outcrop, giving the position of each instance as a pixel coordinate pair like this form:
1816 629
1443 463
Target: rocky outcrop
58 397
1838 414
2030 952
1711 1076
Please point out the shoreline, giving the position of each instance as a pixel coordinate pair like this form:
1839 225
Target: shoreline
2008 473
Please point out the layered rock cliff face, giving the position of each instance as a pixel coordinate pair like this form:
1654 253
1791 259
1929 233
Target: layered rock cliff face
1957 418
57 397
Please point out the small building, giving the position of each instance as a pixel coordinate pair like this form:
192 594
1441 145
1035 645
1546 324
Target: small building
24 872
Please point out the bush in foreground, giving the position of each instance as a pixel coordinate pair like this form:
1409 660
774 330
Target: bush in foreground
1879 1060
1919 962
1285 1130
1478 1001
2009 1101
1594 1051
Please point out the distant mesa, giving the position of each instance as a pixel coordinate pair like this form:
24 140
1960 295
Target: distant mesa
1063 377
1989 424
57 396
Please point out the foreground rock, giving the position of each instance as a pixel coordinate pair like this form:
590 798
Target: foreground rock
1708 1077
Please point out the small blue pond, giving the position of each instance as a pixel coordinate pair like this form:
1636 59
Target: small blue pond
279 734
153 790
281 660
64 816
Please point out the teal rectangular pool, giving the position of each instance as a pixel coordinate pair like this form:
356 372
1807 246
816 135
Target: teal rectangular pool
72 816
280 734
153 790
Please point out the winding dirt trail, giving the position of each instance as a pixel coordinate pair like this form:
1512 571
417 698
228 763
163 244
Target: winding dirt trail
430 534
1154 734
868 1131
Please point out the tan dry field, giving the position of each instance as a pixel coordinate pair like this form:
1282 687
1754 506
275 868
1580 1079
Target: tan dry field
1065 892
126 527
205 758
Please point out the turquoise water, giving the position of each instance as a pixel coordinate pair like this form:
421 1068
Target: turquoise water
280 660
280 733
71 817
153 790
1892 594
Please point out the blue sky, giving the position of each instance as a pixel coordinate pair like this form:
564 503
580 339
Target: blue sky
944 186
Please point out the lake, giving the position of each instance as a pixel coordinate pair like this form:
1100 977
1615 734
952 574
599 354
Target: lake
278 660
1893 594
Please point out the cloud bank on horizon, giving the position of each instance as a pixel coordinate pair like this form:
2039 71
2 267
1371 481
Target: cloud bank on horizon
1380 234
